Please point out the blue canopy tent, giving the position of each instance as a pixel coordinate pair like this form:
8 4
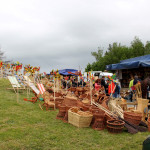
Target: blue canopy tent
66 72
142 61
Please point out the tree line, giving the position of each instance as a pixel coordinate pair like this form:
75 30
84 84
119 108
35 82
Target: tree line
117 52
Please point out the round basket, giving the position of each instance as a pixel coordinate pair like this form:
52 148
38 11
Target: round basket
133 114
133 117
115 123
114 130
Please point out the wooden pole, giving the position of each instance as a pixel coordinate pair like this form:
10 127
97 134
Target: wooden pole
54 92
17 94
57 84
28 86
27 92
66 85
34 78
2 72
91 89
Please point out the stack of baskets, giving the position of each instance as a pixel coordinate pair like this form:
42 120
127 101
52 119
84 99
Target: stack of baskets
133 117
62 112
115 126
93 109
98 120
66 114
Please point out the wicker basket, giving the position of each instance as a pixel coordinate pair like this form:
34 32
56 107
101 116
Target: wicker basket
79 120
114 130
133 117
98 124
115 123
115 126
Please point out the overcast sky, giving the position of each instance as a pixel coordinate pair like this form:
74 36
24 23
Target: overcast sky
59 34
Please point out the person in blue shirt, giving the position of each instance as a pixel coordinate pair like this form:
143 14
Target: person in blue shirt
117 91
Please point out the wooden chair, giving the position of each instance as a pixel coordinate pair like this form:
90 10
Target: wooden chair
47 103
16 86
20 80
31 85
37 91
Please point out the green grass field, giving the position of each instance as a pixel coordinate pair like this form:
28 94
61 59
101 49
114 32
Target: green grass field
25 126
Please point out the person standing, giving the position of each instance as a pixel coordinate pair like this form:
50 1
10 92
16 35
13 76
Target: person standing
136 80
117 91
106 87
103 81
111 88
131 89
97 84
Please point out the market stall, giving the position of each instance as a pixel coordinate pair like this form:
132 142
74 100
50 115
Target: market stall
126 69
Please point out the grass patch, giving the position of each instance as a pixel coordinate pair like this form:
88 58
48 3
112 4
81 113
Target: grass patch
24 126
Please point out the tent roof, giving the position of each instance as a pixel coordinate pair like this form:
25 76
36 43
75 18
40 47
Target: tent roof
142 61
65 71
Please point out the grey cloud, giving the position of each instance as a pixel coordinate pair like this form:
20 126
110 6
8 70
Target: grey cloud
62 33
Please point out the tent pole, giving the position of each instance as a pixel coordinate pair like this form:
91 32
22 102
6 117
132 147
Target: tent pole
91 89
54 92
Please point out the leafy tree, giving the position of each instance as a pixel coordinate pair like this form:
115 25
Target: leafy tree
88 67
117 52
147 48
98 55
137 47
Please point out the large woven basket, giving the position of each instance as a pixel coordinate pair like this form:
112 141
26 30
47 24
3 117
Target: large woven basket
133 117
115 126
79 120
